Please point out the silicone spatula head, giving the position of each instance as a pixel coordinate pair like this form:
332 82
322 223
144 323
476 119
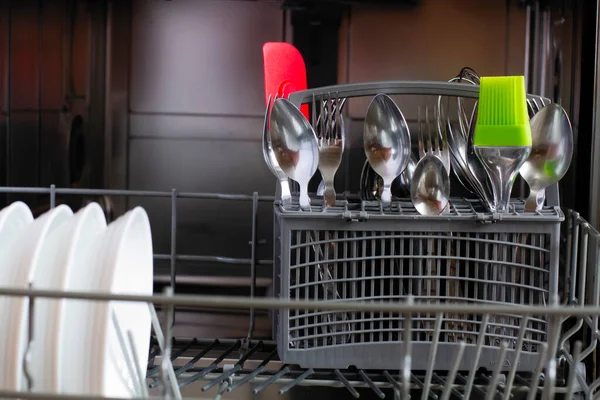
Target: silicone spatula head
285 71
502 119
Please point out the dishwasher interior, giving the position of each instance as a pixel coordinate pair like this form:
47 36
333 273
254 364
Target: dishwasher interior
161 104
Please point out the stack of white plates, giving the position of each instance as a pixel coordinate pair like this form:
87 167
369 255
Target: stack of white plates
78 346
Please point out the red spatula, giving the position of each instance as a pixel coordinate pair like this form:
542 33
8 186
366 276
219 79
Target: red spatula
285 71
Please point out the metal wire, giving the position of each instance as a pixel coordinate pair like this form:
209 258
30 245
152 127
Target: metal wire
434 384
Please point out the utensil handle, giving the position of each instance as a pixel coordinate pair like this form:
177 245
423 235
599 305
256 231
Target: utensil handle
386 194
304 198
286 195
531 204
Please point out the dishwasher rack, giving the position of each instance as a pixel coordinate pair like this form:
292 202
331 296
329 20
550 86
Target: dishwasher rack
565 366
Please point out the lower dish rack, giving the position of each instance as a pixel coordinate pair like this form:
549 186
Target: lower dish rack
564 361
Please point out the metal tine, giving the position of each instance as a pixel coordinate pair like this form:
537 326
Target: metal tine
433 133
296 381
554 328
313 117
167 374
190 364
493 386
330 117
518 349
420 134
443 384
322 122
479 346
453 371
429 148
347 384
221 390
237 367
154 371
441 128
406 366
337 134
537 106
391 380
214 365
372 385
432 355
136 362
533 386
282 371
30 336
151 357
573 369
463 380
129 359
253 374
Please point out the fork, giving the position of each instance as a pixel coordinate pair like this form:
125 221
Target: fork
330 136
271 161
438 144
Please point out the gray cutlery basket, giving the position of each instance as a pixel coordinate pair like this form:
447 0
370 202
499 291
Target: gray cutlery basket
359 252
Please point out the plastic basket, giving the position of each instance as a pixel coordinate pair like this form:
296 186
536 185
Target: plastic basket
359 252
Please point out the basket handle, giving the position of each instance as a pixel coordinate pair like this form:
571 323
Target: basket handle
391 88
405 88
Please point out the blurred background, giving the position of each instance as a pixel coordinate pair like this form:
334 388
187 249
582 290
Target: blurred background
156 95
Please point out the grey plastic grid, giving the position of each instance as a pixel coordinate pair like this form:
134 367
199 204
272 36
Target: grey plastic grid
360 252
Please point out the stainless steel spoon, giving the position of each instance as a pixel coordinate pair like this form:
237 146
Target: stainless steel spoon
386 139
551 152
295 146
271 161
430 186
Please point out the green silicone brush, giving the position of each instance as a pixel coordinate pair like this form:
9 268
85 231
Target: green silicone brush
502 138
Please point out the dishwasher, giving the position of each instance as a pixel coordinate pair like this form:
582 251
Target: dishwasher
161 104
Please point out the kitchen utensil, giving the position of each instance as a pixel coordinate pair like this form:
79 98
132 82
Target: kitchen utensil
58 347
19 264
502 139
271 161
331 146
284 70
460 166
430 186
386 139
475 166
551 152
295 146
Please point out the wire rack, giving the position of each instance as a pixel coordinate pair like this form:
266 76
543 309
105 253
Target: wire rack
566 364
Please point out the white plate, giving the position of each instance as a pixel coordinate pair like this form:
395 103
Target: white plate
64 263
123 257
20 264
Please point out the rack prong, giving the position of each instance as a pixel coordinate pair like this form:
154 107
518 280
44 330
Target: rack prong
533 386
480 341
432 355
253 374
493 386
518 349
453 371
296 381
282 371
371 384
346 384
573 370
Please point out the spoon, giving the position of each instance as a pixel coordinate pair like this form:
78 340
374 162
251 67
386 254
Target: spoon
430 186
386 141
271 161
551 152
295 146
